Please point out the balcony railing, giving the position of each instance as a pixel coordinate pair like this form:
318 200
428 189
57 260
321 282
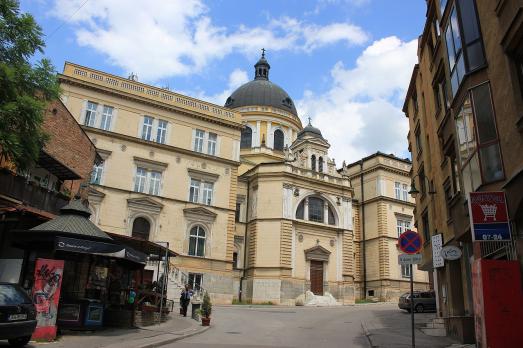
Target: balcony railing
29 193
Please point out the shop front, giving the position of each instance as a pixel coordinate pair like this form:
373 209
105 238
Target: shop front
78 275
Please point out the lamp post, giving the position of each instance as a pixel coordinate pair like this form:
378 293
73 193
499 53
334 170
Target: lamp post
414 191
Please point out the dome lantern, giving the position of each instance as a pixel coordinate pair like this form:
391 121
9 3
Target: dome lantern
261 68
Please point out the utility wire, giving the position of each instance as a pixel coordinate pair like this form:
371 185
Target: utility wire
71 16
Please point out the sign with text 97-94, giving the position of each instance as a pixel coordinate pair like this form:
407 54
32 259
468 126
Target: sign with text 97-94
409 259
488 216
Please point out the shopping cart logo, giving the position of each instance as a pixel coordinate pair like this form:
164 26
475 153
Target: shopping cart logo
489 211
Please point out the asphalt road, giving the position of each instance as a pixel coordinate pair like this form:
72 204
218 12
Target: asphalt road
257 327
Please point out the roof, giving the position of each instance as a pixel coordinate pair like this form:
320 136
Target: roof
310 130
379 153
73 221
261 91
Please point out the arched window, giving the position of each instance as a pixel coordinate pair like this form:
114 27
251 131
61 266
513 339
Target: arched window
316 209
332 219
301 210
197 241
320 164
246 138
141 228
313 162
278 140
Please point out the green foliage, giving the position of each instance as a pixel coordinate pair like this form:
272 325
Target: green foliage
25 88
206 307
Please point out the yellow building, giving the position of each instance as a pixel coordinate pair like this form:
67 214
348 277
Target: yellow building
245 194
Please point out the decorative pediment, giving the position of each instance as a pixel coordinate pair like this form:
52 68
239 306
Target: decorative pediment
145 204
317 253
199 214
95 196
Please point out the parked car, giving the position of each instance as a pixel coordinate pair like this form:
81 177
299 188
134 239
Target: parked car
423 301
17 315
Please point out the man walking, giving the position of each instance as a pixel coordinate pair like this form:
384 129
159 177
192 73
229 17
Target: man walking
185 298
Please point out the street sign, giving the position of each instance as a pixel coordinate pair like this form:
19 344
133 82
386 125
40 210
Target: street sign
437 244
409 259
488 216
410 242
451 252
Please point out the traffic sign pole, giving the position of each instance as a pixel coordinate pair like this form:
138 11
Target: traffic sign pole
412 306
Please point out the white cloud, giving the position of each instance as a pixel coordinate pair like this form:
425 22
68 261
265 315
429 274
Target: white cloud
361 112
159 38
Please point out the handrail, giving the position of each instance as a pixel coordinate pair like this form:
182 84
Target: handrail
176 273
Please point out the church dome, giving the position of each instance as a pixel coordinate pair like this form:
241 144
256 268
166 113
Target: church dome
261 91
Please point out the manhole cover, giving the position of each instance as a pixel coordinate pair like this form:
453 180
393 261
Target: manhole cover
233 332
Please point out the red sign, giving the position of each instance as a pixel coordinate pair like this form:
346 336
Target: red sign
46 293
410 242
488 216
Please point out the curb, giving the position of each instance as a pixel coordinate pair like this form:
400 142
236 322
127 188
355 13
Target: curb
367 334
174 339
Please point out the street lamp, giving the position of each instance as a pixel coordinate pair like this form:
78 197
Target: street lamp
414 191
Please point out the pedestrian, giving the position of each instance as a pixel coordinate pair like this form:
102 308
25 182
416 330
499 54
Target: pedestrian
185 298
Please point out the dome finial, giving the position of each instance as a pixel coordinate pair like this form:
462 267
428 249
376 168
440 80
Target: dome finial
263 52
310 124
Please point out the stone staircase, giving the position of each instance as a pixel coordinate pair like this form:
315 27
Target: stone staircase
435 327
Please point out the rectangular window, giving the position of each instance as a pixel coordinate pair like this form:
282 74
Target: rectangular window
194 191
405 271
96 174
147 128
207 193
155 179
107 117
237 213
405 192
90 114
397 190
195 281
141 178
479 152
199 135
161 131
426 226
211 144
402 225
419 148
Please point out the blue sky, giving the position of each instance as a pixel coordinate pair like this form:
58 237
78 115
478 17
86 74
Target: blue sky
346 63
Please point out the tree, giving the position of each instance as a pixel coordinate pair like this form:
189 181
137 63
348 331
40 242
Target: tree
25 88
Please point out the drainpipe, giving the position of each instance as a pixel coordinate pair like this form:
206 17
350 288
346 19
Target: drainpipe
362 219
245 242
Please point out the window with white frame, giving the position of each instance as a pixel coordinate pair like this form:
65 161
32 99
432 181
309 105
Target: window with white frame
97 173
195 281
402 225
161 131
401 191
405 271
194 191
147 128
107 117
197 241
211 144
405 192
199 136
397 190
90 114
206 189
148 181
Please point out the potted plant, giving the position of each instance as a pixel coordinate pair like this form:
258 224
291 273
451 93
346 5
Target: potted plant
206 309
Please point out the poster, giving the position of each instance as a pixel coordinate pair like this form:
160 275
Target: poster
46 294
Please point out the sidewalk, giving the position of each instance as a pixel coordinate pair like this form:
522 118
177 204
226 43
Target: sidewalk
174 329
394 331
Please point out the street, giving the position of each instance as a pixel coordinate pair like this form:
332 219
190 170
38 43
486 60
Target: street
243 326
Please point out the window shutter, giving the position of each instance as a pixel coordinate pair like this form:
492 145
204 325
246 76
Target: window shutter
140 127
113 120
218 142
193 139
82 113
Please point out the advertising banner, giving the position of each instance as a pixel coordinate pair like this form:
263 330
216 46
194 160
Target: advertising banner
46 294
488 216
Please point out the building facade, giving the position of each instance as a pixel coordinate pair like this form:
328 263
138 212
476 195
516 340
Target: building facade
381 186
464 107
247 196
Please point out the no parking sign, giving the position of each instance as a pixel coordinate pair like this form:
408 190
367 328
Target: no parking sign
410 242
